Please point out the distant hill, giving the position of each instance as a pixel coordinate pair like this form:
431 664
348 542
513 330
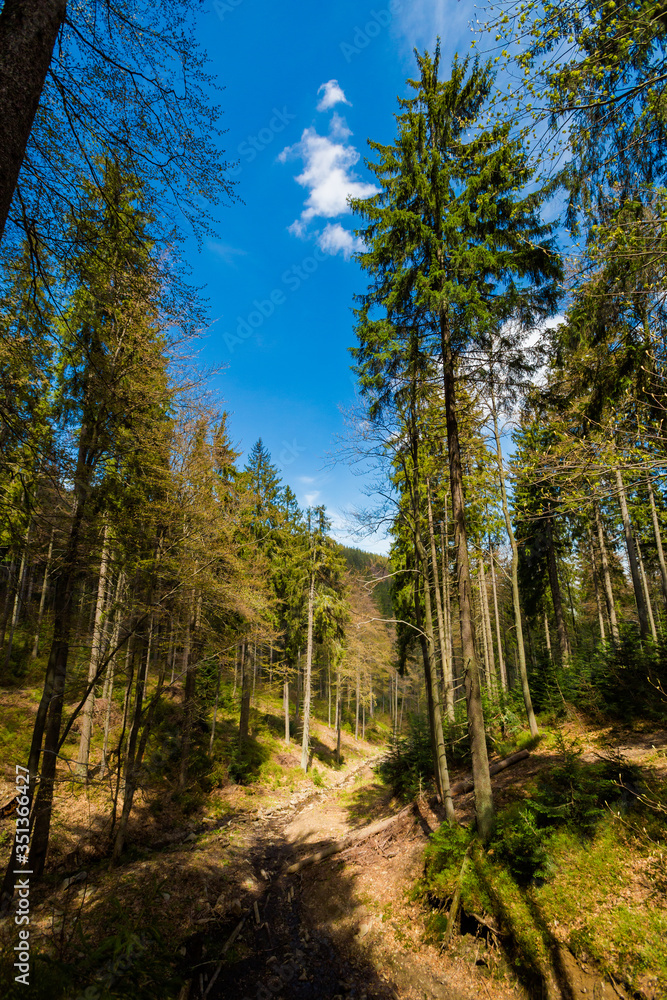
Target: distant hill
371 565
358 559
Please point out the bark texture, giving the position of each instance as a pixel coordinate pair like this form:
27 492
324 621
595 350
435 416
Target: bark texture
476 730
305 742
554 584
516 604
640 600
606 574
28 32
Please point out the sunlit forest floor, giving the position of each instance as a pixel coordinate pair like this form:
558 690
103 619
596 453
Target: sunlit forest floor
202 905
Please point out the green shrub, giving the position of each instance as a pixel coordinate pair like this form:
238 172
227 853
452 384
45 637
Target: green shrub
408 764
246 760
570 792
621 680
520 844
443 859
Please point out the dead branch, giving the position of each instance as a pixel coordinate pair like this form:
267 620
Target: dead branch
350 841
467 785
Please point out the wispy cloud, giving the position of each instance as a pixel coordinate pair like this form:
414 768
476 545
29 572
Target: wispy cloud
332 95
225 251
420 22
310 498
344 528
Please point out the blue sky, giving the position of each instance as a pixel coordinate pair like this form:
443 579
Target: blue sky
306 86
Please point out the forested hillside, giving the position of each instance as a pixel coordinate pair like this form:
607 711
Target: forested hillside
236 747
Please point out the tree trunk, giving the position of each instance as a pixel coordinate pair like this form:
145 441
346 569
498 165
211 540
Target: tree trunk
297 705
516 603
554 584
188 696
596 588
81 770
647 596
107 717
499 640
547 635
658 540
433 691
305 741
136 747
46 732
642 612
329 687
28 32
286 708
446 600
215 707
42 598
8 602
338 716
446 664
476 729
120 779
108 686
482 622
18 596
356 708
486 619
254 670
244 720
606 575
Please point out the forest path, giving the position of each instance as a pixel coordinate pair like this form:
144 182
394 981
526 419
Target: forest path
344 928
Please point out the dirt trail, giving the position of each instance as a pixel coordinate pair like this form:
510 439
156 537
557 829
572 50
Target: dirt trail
342 928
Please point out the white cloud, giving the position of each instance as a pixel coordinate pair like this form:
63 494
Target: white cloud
336 239
327 174
333 94
310 498
297 228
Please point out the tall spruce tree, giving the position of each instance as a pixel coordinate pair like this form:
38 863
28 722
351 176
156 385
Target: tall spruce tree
454 241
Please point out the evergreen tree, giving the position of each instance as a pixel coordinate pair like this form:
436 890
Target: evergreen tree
263 481
111 377
455 244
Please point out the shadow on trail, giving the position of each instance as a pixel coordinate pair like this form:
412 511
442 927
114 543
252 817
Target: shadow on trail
326 755
285 955
368 803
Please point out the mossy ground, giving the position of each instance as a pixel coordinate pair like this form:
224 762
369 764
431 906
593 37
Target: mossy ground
591 878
